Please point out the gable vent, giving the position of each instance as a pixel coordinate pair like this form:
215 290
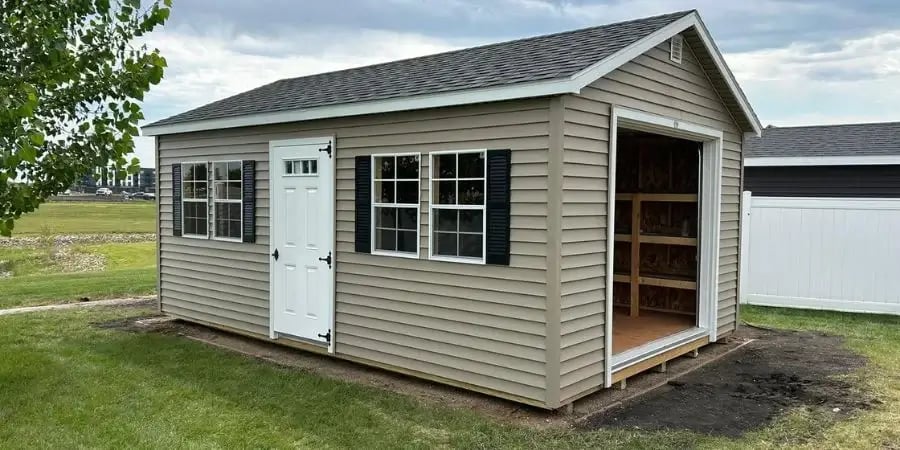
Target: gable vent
676 48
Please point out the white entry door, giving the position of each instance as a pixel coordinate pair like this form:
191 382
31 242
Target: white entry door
302 238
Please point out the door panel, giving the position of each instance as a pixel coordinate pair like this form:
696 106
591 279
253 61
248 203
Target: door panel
302 295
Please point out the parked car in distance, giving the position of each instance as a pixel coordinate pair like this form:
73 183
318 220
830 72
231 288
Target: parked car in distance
143 195
67 192
104 191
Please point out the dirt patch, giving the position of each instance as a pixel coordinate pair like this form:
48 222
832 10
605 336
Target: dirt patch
749 388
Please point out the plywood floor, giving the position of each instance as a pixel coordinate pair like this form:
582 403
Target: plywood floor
630 332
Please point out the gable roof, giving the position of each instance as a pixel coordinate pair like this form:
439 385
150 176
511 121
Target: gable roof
545 65
862 143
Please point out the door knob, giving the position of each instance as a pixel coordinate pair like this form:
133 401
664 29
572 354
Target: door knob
275 254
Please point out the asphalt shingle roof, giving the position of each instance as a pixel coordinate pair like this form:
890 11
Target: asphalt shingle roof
864 139
542 58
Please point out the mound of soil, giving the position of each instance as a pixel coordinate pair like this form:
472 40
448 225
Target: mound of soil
747 389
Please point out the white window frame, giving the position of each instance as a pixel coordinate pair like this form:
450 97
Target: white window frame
432 206
375 204
214 228
194 200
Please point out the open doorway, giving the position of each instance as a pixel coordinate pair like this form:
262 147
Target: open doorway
655 253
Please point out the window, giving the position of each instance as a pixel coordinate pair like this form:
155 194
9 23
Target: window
458 191
227 204
395 204
301 167
194 194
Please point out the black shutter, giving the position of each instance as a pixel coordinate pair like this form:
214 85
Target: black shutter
497 205
176 199
364 204
248 175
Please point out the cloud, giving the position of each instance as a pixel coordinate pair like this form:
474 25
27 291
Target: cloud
203 67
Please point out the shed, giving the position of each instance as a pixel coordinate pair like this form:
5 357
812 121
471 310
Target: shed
821 203
451 216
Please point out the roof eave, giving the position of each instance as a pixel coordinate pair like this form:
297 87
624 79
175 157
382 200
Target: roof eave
796 161
573 84
453 98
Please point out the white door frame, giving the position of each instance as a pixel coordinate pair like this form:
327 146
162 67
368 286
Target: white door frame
328 185
710 222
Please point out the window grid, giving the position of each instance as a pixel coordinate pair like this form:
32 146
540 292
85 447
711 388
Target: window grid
437 209
194 219
380 206
228 220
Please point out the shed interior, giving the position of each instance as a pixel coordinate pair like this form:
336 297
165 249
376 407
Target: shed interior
655 254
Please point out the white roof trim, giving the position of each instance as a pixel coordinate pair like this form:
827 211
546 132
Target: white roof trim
775 161
572 85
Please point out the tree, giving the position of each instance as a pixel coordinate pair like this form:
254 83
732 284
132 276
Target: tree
71 81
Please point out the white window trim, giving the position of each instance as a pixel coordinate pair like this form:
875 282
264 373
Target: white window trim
194 200
214 228
396 254
432 206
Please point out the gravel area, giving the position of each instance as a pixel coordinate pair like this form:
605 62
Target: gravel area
65 240
61 248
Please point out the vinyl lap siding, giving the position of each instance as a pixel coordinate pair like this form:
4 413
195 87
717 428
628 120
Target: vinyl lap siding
482 326
583 259
654 84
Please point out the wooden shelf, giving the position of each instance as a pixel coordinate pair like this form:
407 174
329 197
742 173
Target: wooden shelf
657 281
658 239
683 198
668 282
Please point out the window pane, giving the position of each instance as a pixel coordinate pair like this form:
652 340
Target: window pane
445 192
313 166
446 219
408 192
220 171
386 217
386 240
406 241
471 192
234 170
289 167
470 245
407 219
384 191
408 167
384 167
471 221
200 190
471 165
446 244
234 190
187 190
445 166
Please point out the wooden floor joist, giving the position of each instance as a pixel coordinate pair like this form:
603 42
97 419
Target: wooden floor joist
647 364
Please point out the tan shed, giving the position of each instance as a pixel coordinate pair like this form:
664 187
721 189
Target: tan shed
536 219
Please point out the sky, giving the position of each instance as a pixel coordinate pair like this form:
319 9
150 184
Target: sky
800 62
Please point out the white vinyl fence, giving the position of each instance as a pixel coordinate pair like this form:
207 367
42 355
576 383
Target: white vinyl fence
821 253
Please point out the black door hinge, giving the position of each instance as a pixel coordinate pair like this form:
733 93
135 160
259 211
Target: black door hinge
326 336
327 259
275 254
327 149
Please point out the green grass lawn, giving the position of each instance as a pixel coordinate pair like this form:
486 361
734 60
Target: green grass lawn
130 270
88 217
67 384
